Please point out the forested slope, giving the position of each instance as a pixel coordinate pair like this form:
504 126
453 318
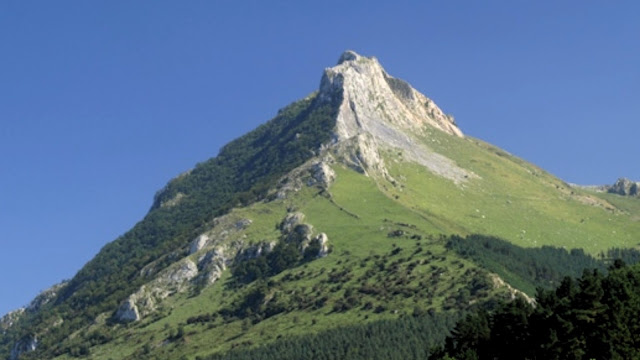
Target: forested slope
242 173
592 317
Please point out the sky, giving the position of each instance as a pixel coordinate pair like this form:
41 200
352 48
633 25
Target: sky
103 102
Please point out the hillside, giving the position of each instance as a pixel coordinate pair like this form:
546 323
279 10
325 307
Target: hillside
360 206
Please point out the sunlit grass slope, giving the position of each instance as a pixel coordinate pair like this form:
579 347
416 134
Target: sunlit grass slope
514 200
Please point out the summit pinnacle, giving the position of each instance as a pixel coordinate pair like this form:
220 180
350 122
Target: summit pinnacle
376 102
376 109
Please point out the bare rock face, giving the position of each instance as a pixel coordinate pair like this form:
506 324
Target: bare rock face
625 187
225 226
178 275
322 241
25 345
322 173
294 230
172 280
291 221
128 311
379 110
198 243
316 172
377 102
211 265
207 257
254 251
361 153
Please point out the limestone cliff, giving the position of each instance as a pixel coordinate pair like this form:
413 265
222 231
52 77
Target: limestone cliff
378 110
375 102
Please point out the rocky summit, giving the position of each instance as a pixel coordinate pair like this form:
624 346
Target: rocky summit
377 109
625 186
377 103
358 223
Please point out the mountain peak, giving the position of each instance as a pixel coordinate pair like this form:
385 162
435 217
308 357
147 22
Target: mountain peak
375 102
624 186
348 55
376 109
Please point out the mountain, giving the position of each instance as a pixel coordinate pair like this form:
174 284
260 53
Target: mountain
622 186
360 214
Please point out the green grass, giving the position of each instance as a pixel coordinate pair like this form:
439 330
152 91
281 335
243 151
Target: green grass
513 200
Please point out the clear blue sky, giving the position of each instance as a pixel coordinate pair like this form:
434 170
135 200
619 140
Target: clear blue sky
102 102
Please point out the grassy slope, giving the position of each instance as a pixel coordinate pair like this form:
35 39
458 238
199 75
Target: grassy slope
354 242
627 204
512 199
516 201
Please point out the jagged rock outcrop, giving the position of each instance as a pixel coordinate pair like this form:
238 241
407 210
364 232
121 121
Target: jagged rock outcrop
376 102
255 250
207 257
176 276
316 172
290 221
144 301
224 227
294 230
322 173
25 345
362 153
379 110
625 187
198 243
321 241
128 311
211 265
